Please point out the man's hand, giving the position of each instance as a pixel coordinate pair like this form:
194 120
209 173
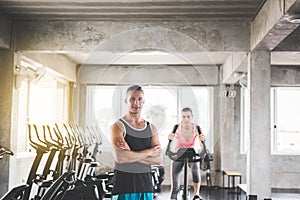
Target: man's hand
123 145
155 151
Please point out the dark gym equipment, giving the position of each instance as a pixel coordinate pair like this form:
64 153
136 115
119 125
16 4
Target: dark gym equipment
187 155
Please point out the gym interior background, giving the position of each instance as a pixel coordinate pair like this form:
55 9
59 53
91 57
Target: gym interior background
237 61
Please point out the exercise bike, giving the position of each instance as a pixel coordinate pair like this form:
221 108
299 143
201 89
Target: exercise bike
184 155
206 166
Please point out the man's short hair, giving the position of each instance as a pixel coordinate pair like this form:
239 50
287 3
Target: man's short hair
135 88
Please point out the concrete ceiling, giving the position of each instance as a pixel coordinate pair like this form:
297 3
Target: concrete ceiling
143 10
131 9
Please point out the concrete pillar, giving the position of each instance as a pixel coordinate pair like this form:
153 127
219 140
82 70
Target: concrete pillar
6 85
5 32
259 154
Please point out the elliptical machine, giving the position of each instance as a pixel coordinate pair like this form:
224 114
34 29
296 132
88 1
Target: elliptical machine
4 151
17 192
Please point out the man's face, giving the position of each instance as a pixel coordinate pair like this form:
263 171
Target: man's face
135 101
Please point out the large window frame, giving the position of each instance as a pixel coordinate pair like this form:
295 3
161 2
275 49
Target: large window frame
203 110
244 125
285 126
41 103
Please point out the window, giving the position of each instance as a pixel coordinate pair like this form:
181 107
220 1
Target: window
244 121
161 109
41 102
102 108
105 104
285 118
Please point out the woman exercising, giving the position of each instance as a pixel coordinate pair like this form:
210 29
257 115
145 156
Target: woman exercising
186 136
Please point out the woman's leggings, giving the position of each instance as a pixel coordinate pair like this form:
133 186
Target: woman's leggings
176 169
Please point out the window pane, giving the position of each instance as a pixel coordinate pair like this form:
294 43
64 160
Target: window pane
60 106
41 104
287 120
22 145
102 110
161 109
244 120
203 110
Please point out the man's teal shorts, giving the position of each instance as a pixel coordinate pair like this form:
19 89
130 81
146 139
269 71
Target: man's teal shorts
133 196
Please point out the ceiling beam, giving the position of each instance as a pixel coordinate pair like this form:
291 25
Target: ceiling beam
130 10
132 36
235 67
270 27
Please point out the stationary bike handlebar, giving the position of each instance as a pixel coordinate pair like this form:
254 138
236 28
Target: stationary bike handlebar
182 154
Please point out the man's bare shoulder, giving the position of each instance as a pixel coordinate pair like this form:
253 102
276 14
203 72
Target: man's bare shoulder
117 126
154 129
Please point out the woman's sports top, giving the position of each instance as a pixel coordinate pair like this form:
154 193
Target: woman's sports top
182 142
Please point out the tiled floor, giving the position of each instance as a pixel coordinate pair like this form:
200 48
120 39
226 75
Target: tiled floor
214 193
218 193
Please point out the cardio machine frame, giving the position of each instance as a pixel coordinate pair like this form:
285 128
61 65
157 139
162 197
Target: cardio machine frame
184 155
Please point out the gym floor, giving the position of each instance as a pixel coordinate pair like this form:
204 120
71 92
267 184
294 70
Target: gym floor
217 193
